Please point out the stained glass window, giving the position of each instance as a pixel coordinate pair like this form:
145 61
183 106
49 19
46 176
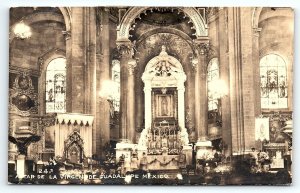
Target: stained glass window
56 86
273 84
212 78
116 79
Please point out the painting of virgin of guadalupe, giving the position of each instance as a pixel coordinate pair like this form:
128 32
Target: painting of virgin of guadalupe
164 106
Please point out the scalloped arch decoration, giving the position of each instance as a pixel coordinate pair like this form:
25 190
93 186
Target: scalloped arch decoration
133 13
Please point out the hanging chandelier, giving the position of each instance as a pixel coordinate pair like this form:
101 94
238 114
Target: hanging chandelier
22 31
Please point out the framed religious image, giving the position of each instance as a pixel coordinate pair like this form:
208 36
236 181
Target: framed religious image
133 95
164 106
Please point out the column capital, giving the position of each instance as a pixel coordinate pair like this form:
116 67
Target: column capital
125 48
131 65
201 45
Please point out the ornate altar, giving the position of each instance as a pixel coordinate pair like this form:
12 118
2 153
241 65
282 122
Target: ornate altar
163 136
165 133
73 137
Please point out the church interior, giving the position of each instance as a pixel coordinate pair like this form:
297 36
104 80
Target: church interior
182 92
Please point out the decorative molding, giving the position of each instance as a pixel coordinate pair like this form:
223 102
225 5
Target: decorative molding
177 45
133 13
125 48
23 99
202 48
73 137
164 66
65 118
18 70
45 58
47 121
163 31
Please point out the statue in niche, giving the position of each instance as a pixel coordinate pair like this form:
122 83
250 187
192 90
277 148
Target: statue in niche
164 106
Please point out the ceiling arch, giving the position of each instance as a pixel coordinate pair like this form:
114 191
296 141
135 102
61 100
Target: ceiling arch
133 13
64 17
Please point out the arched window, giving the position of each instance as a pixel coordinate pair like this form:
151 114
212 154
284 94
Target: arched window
212 77
116 79
273 82
56 86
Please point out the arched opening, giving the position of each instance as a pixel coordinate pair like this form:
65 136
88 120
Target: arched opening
213 74
273 82
74 152
165 131
133 13
56 86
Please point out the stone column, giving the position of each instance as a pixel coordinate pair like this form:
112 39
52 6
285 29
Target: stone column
255 59
69 77
200 67
76 66
148 114
248 79
127 121
224 76
187 149
256 75
80 56
181 118
235 86
131 101
125 49
101 126
201 109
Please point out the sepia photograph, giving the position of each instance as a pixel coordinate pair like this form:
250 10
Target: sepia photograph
133 95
